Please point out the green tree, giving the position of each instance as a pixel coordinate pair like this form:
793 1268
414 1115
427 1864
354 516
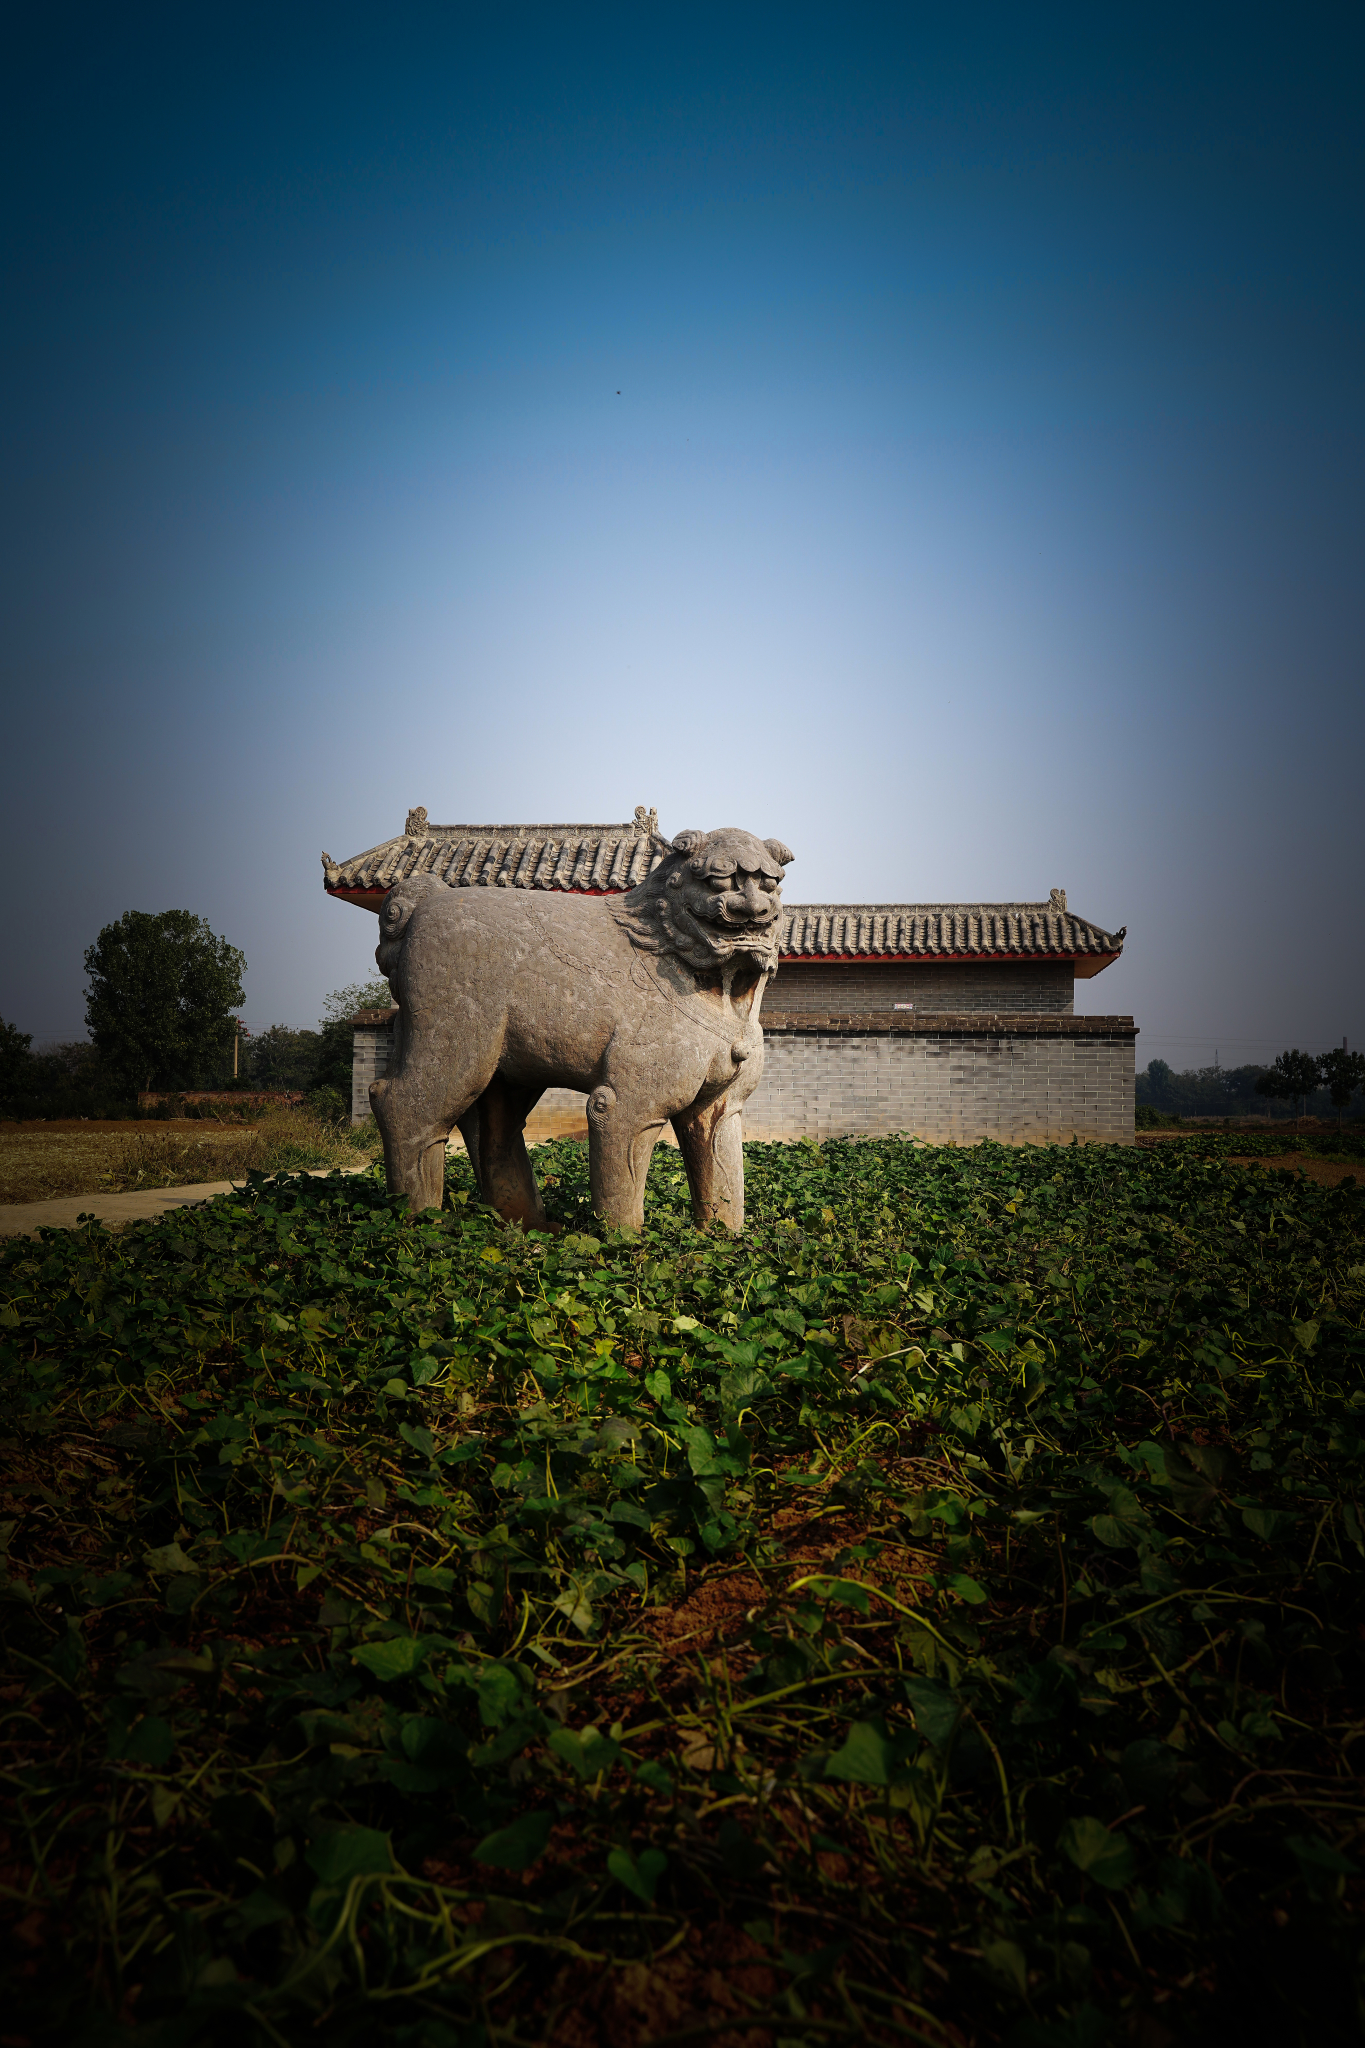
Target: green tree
162 989
344 1003
1341 1073
1293 1077
16 1062
283 1058
336 1035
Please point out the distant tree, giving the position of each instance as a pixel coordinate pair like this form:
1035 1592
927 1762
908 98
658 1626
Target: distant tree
162 989
1341 1073
60 1080
344 1003
336 1035
1293 1077
284 1058
76 1058
15 1063
1201 1091
1154 1085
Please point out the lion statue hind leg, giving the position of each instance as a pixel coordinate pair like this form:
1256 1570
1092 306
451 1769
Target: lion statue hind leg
501 1165
416 1109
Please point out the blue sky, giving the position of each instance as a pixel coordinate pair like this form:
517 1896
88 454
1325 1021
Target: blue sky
934 437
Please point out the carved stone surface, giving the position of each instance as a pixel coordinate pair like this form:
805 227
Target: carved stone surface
648 1002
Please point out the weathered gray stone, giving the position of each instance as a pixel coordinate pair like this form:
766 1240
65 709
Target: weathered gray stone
648 1002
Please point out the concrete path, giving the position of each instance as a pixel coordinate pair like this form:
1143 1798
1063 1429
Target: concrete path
26 1219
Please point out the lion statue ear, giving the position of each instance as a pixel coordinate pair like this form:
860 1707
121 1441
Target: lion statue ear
685 842
783 855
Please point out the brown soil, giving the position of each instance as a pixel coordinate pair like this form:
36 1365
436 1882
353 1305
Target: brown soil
1249 1127
1328 1173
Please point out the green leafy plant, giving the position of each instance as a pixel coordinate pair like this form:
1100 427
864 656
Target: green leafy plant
933 1614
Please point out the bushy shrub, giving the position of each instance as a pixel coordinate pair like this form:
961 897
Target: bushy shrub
61 1081
329 1105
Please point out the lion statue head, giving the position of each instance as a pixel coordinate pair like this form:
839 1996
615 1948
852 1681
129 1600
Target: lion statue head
715 899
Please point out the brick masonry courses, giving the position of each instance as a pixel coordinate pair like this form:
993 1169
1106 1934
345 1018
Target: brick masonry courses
1040 1078
948 1079
952 987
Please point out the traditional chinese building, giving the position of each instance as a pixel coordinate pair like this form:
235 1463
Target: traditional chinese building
942 1020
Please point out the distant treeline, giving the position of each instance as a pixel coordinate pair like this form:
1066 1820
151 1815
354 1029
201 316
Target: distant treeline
81 1079
1219 1091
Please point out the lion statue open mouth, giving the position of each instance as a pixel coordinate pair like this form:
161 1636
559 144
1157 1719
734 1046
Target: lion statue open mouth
719 901
648 1003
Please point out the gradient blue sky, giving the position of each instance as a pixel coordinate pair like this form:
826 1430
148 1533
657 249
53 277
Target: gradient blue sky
934 436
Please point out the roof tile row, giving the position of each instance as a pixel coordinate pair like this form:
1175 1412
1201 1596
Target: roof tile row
609 859
583 859
940 930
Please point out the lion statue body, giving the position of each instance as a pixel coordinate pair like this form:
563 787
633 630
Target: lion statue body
647 1002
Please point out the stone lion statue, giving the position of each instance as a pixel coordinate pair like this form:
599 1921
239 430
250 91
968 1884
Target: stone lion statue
647 1002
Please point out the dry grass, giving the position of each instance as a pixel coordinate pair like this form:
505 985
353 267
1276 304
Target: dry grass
40 1161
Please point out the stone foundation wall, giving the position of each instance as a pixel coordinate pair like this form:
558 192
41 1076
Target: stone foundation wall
953 987
1020 1079
1017 1079
371 1050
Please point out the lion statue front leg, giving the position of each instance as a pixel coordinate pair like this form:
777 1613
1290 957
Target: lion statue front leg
622 1134
711 1141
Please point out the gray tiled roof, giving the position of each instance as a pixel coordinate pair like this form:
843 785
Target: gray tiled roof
609 859
942 931
584 859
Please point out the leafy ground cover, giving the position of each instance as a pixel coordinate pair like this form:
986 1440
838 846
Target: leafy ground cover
1330 1158
1326 1142
934 1616
1314 1137
42 1160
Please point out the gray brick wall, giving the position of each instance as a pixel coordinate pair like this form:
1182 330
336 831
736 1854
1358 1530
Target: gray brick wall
371 1048
1018 1079
1031 986
1014 1084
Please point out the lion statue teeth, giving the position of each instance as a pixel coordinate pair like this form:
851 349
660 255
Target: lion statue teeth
648 1003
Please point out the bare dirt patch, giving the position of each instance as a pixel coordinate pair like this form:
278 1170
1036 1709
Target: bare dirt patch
1328 1173
40 1161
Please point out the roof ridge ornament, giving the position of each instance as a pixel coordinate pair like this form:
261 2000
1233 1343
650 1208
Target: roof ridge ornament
1058 900
416 826
646 822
